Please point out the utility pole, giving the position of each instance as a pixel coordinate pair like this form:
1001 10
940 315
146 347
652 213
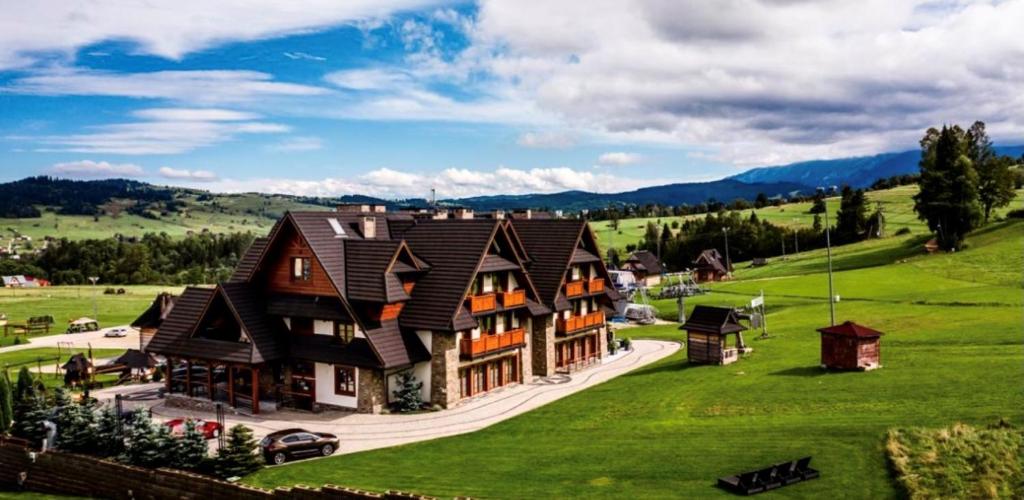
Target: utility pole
796 239
728 262
783 248
95 314
828 246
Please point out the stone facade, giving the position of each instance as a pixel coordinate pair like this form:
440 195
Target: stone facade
602 342
370 393
526 355
542 346
444 369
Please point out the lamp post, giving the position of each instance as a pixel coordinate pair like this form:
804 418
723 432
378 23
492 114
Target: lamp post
95 314
828 247
728 262
796 237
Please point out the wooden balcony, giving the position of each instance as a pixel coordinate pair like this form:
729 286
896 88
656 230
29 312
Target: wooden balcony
577 323
513 298
494 342
595 285
574 288
481 303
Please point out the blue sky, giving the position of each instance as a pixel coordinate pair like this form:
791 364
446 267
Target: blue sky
393 98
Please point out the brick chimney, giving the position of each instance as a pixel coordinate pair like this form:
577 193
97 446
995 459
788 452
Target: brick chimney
353 208
463 213
369 227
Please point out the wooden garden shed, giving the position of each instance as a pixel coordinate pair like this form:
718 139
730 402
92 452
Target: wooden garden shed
707 332
850 346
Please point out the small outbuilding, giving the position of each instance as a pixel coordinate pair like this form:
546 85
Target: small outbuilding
709 266
136 362
850 346
707 332
77 370
645 266
150 320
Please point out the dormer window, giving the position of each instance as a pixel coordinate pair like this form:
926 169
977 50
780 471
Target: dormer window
344 332
302 269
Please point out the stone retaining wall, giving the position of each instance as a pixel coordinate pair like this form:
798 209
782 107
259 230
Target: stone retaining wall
57 473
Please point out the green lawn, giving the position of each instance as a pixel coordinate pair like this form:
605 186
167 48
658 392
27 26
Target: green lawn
952 352
46 358
70 302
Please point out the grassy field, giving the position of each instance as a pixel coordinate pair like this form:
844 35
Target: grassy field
70 302
48 359
897 205
952 349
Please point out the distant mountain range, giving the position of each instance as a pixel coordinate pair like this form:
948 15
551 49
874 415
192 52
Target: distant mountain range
858 172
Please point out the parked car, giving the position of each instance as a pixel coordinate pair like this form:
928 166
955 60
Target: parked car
116 333
209 429
290 444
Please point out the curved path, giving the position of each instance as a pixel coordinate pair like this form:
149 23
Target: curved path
361 432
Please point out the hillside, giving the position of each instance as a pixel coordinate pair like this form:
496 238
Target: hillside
857 172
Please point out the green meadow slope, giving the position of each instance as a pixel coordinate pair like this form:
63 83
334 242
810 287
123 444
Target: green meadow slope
952 352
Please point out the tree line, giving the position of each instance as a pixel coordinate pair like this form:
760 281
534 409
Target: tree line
152 259
962 181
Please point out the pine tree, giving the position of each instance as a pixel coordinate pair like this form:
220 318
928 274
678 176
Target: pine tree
238 458
190 448
407 396
851 220
146 444
76 427
948 195
817 223
6 403
109 438
25 387
29 415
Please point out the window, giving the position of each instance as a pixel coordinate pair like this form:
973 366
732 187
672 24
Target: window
486 324
344 381
302 268
344 332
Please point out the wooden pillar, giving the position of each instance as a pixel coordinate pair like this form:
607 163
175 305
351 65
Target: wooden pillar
231 386
255 390
188 377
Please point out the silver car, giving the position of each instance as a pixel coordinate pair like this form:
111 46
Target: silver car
116 332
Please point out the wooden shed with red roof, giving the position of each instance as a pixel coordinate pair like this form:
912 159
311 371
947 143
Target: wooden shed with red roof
850 346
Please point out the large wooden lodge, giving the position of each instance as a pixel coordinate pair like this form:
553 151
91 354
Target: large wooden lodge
330 307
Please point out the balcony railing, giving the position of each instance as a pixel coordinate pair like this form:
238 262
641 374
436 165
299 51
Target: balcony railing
490 343
577 323
480 303
595 285
513 298
574 288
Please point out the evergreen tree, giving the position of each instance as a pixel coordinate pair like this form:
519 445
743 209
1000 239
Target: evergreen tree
109 439
817 223
819 206
146 444
650 241
851 220
407 395
25 386
190 449
6 403
948 195
76 427
29 415
995 184
238 458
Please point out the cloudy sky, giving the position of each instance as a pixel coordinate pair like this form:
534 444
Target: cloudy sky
391 98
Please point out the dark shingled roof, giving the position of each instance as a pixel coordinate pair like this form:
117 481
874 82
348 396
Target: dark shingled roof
247 264
307 306
851 329
326 349
648 260
179 324
710 319
581 256
395 348
550 243
452 248
267 333
494 263
711 258
154 315
135 359
366 264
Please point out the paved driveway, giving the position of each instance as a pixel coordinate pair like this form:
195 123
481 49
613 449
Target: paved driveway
361 432
81 341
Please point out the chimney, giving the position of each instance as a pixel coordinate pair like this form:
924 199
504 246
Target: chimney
353 208
380 209
441 213
499 214
369 227
463 213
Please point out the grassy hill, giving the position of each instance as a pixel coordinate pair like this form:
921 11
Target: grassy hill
952 352
897 205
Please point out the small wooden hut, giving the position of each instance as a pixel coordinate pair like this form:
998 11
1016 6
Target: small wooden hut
709 266
850 346
77 370
707 332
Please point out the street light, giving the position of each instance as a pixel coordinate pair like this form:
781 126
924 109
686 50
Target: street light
95 314
796 234
728 262
828 246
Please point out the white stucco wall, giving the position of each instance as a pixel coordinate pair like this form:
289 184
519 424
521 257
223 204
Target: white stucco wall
325 388
321 327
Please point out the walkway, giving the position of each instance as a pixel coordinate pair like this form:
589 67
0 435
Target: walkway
361 432
81 341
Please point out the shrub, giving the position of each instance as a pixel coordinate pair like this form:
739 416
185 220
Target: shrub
407 396
158 374
109 439
238 457
76 427
18 340
902 231
29 415
626 344
6 404
146 444
1015 214
190 449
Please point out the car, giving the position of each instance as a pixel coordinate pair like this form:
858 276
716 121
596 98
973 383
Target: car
290 444
116 333
210 430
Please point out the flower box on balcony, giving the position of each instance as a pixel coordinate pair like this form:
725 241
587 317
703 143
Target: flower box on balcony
480 303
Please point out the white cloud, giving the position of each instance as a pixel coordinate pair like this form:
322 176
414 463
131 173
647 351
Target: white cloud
93 169
546 140
194 114
191 175
295 144
27 29
618 158
303 56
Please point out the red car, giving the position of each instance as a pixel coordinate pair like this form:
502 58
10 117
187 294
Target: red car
210 430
